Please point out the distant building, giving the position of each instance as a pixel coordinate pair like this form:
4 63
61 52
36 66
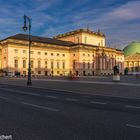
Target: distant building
132 57
80 52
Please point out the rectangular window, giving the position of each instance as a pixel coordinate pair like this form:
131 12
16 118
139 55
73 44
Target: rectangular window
24 51
101 42
24 72
39 64
16 50
46 63
24 63
39 72
4 62
78 40
57 65
45 53
85 40
63 54
74 64
51 54
84 65
39 53
51 65
16 63
32 52
63 65
32 63
93 64
88 65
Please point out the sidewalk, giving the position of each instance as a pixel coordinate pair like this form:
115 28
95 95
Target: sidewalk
94 82
115 89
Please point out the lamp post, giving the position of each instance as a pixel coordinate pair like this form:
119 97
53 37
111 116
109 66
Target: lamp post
25 28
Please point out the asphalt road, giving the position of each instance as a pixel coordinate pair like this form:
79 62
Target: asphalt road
28 113
89 86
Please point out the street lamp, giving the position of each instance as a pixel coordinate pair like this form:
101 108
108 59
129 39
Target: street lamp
25 28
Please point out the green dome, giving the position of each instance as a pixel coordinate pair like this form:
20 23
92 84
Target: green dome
132 48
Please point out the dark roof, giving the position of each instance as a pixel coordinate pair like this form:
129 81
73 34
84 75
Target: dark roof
41 40
84 44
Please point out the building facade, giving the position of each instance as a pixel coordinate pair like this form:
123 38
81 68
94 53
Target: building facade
80 52
132 57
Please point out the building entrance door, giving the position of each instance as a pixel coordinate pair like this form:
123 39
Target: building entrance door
46 73
77 73
93 73
84 73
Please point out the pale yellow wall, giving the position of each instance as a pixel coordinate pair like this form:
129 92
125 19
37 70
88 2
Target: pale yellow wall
85 38
132 62
79 53
87 56
4 57
0 57
12 55
76 38
93 39
73 55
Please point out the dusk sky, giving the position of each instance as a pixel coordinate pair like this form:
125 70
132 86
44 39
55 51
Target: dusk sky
118 19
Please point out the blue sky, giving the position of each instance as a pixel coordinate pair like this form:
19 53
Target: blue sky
118 19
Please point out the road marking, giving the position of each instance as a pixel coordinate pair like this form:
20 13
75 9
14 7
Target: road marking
133 126
71 99
5 98
21 92
101 103
129 106
40 107
54 97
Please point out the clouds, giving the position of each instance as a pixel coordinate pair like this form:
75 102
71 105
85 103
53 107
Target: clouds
120 23
119 20
128 11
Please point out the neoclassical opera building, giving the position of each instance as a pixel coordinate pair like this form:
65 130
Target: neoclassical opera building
80 52
132 57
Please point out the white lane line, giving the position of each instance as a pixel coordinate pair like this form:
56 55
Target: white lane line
21 92
133 126
101 103
135 107
71 99
5 98
40 107
54 97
